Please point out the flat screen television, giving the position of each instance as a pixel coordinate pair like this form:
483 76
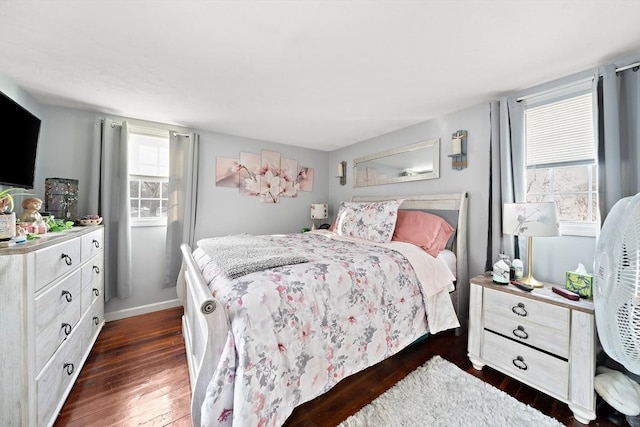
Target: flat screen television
20 131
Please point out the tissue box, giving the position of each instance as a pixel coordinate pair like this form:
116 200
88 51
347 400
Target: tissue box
579 283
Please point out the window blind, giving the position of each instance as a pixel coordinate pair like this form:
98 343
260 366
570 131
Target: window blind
560 132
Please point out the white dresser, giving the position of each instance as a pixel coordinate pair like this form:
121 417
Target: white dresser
538 338
51 311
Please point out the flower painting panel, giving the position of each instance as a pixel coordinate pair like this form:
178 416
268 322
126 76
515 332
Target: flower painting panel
305 178
227 172
289 185
270 177
249 173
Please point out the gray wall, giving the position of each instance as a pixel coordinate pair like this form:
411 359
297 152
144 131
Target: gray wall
474 179
65 150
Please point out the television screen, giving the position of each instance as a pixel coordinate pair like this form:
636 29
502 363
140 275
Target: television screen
20 130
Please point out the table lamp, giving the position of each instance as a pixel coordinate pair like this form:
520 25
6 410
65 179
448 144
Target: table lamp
319 211
531 220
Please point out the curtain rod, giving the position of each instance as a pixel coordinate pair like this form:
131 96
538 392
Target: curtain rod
635 66
186 135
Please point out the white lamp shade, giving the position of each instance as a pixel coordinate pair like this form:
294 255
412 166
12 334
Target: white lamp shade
530 219
319 211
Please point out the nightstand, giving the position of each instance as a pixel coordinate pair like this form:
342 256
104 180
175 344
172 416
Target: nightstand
539 338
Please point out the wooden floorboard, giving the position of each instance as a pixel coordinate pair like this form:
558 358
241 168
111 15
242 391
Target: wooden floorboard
137 374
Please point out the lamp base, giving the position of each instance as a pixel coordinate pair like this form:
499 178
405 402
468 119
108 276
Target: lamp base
531 281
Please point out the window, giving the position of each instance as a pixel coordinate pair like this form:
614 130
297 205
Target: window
148 176
561 158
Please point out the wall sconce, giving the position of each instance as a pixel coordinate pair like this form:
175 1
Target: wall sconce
459 150
342 172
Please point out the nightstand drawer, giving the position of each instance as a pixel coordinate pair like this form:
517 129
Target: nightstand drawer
523 309
525 331
527 364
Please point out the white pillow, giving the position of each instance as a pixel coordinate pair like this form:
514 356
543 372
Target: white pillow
373 221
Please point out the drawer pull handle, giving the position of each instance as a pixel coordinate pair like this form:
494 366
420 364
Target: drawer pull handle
67 328
96 320
69 368
519 309
520 333
67 259
67 295
96 244
519 363
96 292
96 269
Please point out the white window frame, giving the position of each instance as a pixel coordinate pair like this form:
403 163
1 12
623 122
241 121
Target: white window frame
147 221
569 228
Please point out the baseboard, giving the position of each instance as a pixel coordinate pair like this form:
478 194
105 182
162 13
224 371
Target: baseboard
143 309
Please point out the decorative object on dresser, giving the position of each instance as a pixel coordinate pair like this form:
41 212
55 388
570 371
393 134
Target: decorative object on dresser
539 338
51 311
319 211
434 394
531 220
61 197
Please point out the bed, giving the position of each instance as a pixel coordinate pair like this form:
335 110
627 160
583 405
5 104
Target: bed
260 342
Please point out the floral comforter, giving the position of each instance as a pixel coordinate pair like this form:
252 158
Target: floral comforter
297 330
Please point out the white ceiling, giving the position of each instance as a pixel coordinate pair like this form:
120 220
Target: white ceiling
319 74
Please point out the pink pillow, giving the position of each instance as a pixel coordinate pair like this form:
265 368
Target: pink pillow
423 229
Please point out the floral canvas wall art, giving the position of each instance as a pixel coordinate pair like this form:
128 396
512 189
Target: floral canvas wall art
249 172
264 174
227 172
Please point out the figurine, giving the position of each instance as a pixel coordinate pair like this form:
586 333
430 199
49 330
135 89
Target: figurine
31 206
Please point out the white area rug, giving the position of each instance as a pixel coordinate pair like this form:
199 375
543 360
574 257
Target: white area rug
440 394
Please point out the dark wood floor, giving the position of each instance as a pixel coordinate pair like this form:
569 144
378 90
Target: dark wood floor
137 374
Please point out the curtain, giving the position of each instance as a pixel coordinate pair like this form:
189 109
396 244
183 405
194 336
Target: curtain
181 209
619 135
504 178
110 198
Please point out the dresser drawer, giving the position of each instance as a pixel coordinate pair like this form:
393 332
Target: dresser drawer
57 376
523 309
91 323
55 300
55 261
92 281
56 332
92 243
535 367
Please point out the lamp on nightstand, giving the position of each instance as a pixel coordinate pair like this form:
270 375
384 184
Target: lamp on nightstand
531 220
319 211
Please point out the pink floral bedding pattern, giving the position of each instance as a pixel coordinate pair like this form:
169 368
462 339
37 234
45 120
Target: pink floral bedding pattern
374 221
296 331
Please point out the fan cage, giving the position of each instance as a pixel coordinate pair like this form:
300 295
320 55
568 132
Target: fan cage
617 284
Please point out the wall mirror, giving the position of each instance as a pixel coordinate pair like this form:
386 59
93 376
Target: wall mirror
413 162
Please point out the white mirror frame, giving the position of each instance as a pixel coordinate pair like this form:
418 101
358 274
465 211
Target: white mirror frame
430 148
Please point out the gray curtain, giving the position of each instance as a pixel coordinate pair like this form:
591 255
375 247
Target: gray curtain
110 198
619 135
181 209
504 177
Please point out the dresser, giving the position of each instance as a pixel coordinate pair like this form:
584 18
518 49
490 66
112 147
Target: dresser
51 311
539 338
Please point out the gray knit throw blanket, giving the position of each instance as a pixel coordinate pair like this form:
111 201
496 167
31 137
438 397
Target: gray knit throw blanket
243 254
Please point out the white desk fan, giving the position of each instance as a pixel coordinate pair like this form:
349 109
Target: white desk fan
616 297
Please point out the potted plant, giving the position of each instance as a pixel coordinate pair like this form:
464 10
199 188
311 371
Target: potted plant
7 216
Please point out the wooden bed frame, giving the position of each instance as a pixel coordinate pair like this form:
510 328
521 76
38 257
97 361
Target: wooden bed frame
205 324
